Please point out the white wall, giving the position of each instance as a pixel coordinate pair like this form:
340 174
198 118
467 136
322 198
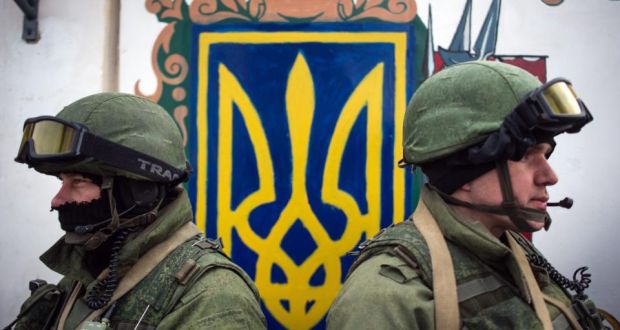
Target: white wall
38 79
580 37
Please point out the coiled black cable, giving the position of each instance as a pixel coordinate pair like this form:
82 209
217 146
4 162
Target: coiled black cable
102 292
578 286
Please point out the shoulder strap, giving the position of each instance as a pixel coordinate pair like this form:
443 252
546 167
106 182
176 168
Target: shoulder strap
69 304
610 319
147 263
444 280
565 310
537 297
209 257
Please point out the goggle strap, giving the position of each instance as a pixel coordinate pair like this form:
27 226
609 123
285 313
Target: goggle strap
524 114
130 160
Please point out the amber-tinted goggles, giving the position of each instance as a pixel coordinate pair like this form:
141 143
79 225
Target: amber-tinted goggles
549 110
553 107
50 139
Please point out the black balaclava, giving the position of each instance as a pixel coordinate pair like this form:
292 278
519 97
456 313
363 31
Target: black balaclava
137 202
80 214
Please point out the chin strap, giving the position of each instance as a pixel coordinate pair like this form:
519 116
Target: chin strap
509 207
103 234
115 224
518 215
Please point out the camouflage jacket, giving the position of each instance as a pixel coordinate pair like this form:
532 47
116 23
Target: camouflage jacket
390 284
217 293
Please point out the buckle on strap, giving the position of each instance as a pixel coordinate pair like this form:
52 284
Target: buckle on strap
207 243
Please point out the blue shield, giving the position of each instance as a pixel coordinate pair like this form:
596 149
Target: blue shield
298 131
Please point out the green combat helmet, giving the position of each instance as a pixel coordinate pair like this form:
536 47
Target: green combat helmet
475 116
129 145
124 139
130 121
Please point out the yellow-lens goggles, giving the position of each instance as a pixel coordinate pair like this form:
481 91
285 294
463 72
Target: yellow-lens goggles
547 111
553 107
49 137
48 140
561 99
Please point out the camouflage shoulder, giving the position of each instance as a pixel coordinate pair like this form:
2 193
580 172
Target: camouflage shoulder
402 240
173 279
43 305
219 299
217 259
226 292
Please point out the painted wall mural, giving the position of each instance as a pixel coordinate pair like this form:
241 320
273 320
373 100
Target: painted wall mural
293 127
296 151
291 112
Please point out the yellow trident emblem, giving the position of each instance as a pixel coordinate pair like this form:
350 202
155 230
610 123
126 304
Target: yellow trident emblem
305 303
300 110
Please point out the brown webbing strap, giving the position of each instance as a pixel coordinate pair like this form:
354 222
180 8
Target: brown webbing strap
615 324
68 305
444 281
147 263
537 298
565 310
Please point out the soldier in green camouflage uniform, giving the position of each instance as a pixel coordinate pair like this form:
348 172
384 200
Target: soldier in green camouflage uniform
131 255
482 133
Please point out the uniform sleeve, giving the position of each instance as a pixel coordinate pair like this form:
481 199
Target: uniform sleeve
220 299
383 293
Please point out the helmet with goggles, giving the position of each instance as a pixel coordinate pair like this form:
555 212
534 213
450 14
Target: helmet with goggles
107 134
129 142
463 105
475 116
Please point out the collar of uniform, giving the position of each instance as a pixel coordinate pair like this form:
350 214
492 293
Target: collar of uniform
68 260
467 233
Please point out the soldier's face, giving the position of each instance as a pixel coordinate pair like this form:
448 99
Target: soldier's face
530 177
75 188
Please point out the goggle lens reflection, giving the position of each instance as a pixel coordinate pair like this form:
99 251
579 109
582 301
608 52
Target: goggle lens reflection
562 99
49 137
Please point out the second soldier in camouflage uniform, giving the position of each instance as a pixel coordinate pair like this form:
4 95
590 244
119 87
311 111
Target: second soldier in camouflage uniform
482 133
